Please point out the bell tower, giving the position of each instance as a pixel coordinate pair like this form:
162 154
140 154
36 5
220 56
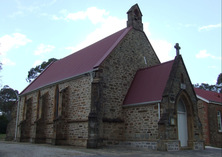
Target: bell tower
135 18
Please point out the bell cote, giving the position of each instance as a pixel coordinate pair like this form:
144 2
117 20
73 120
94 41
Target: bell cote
135 18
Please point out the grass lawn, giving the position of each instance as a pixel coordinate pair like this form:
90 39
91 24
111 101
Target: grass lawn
2 137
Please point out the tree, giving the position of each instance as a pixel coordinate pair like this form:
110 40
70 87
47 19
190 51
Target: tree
34 72
215 88
3 124
8 97
219 79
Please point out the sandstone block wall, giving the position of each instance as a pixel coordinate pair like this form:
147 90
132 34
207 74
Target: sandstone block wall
215 135
141 123
10 132
116 75
75 107
203 115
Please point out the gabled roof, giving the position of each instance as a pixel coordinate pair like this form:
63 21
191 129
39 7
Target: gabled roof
78 63
148 84
208 96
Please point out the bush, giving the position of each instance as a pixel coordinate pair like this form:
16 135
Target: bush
3 124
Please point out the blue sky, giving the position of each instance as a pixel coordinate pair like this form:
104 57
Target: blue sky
35 31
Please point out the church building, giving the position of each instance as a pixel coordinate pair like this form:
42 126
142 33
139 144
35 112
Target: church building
113 92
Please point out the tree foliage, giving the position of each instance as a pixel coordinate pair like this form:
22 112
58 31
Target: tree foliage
8 97
219 79
34 72
215 88
3 124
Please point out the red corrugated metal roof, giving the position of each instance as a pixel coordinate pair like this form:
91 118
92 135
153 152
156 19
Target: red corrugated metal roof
209 95
148 84
79 62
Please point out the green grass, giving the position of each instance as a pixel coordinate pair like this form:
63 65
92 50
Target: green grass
2 137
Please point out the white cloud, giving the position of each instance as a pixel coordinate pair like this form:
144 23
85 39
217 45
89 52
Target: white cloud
52 2
12 41
93 14
43 49
107 28
145 28
209 27
17 13
7 61
204 54
31 8
37 62
162 49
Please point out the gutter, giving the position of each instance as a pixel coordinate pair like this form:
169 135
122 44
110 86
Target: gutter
64 80
141 104
209 101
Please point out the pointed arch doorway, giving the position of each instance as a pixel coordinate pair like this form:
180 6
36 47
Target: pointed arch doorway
182 123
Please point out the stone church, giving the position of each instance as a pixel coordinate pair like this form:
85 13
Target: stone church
113 92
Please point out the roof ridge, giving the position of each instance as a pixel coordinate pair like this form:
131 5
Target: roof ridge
156 65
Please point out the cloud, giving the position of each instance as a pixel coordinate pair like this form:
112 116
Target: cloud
209 27
162 49
17 13
94 14
37 62
51 3
204 54
12 41
43 49
31 8
145 28
7 61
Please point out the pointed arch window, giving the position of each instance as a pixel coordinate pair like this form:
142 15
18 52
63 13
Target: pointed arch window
219 121
181 78
56 102
38 106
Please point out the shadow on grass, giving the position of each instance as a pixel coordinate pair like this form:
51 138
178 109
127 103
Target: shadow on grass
2 137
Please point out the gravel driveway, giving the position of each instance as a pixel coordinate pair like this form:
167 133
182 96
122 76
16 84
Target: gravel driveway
17 149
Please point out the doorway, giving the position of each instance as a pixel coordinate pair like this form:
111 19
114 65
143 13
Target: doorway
182 123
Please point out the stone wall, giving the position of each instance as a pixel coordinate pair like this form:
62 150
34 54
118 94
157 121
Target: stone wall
215 135
71 125
141 123
116 74
203 115
10 132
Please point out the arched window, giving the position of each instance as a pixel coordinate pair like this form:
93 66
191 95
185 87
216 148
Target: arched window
181 78
38 104
56 102
219 121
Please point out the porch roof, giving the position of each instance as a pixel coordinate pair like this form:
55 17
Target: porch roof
148 84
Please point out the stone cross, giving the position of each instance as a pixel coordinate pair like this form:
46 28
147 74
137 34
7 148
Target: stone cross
177 47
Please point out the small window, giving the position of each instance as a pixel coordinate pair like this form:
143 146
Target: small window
57 102
219 121
181 78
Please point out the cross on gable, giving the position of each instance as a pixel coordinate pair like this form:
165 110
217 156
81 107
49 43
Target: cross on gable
177 47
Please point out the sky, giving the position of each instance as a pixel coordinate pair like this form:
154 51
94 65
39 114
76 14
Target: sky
34 31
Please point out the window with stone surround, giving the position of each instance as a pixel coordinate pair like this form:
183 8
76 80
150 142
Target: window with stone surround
38 106
219 121
181 78
56 102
